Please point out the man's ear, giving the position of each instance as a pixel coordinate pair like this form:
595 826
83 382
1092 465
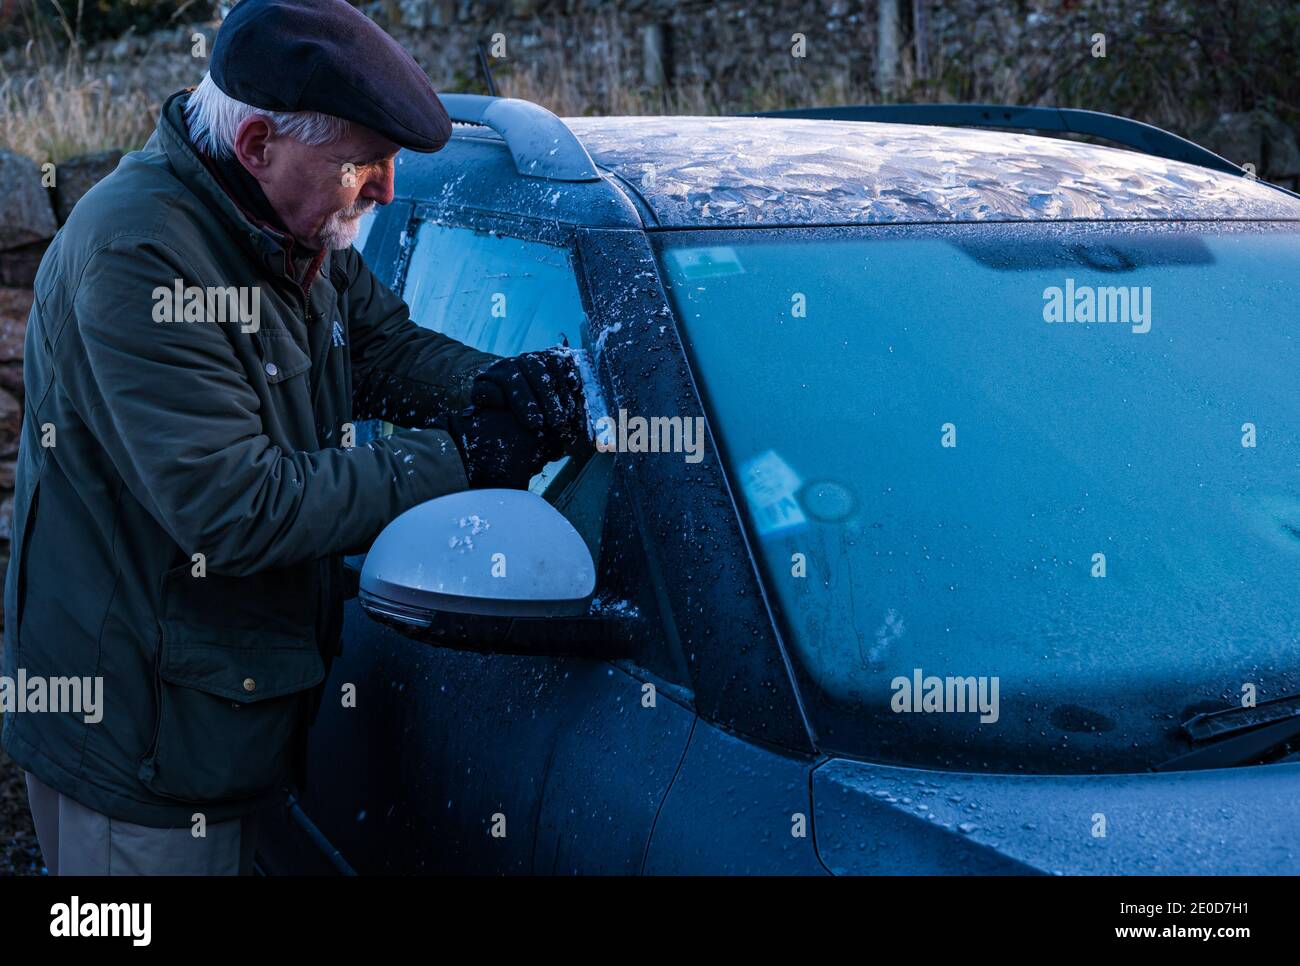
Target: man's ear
253 145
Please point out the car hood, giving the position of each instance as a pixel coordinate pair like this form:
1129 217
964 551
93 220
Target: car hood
879 819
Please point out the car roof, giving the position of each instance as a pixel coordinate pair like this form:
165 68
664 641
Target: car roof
752 170
687 172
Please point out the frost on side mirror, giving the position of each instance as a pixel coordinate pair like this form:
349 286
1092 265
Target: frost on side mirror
496 553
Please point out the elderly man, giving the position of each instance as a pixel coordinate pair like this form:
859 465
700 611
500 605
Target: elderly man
187 483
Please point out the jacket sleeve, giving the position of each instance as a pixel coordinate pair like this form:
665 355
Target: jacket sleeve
401 372
171 405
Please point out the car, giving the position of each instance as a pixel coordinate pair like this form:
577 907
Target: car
984 562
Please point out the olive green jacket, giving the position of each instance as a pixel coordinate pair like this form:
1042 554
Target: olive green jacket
186 489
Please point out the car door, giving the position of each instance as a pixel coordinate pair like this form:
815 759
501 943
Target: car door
429 759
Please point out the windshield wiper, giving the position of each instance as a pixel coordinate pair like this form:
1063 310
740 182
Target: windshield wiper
1244 735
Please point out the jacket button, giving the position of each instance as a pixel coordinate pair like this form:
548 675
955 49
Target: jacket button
250 685
272 369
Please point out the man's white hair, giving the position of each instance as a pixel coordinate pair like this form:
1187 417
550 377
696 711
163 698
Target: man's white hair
214 117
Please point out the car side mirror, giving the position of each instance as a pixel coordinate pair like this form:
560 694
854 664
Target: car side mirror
494 553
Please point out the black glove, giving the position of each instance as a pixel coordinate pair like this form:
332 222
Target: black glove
496 450
543 391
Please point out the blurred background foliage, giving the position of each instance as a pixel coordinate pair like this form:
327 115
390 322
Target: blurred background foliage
1226 72
92 21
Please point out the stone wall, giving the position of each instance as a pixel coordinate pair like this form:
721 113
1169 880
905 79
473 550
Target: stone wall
734 49
610 52
1165 63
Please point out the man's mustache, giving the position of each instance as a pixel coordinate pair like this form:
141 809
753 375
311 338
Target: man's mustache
357 208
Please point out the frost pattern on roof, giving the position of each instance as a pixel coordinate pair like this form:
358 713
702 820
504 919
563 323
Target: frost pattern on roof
701 170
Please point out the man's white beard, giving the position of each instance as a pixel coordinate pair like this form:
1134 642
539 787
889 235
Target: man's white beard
340 229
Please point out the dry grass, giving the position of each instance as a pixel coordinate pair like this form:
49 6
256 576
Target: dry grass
57 107
555 87
59 112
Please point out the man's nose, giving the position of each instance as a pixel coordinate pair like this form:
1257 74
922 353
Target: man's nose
379 186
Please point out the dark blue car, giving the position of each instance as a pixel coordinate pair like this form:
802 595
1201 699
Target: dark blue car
984 559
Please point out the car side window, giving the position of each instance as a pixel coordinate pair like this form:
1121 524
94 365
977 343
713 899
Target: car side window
507 295
496 293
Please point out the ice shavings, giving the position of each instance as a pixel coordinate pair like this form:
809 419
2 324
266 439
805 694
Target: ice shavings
592 398
612 607
474 525
605 333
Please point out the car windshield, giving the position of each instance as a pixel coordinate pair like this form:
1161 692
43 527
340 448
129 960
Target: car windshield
1024 497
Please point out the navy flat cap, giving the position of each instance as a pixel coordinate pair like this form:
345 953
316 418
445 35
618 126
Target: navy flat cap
326 56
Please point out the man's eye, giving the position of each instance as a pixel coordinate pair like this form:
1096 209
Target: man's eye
365 167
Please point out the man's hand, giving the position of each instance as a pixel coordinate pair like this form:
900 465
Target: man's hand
496 450
542 390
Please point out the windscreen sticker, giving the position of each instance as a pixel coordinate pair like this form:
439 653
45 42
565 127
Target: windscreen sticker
770 485
707 262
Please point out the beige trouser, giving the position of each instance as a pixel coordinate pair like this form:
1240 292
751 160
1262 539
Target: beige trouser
76 840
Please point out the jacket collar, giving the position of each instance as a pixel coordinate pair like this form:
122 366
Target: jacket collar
274 248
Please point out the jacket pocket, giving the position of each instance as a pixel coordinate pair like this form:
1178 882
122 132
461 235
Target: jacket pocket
227 712
282 358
